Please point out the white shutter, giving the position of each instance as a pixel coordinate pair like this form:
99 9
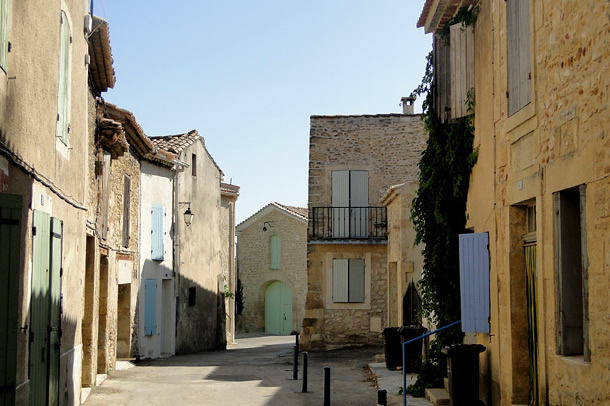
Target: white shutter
356 280
340 203
474 282
340 280
359 201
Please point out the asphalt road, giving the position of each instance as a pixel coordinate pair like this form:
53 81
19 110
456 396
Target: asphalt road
257 371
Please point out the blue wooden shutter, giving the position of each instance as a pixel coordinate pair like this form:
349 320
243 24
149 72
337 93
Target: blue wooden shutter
356 280
3 34
275 252
157 233
474 282
340 280
150 307
63 90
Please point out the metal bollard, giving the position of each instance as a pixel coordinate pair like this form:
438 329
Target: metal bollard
382 397
326 386
295 368
304 371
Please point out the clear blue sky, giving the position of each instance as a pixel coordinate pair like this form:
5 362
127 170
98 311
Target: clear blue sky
248 74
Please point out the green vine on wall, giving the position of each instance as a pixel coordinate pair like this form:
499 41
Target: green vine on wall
439 215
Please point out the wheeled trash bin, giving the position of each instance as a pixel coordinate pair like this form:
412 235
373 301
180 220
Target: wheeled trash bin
463 373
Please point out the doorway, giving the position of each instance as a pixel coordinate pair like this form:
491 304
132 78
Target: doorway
278 309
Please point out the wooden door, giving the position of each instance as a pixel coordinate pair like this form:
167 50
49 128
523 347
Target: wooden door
278 309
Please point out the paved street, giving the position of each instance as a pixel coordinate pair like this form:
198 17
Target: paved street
256 371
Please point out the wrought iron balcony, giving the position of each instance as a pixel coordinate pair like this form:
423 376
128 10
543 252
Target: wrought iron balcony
362 223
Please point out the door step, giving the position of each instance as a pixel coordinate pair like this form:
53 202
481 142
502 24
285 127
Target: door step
437 396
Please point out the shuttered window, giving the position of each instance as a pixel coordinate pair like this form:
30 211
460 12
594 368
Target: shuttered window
150 307
63 90
462 68
350 200
518 46
157 233
474 282
126 209
3 33
275 251
348 280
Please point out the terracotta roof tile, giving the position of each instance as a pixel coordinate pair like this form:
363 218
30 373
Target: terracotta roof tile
100 66
299 211
176 143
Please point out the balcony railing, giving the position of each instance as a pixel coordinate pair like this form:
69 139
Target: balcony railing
365 223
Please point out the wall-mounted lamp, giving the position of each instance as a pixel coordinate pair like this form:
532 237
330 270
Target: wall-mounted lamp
188 214
267 223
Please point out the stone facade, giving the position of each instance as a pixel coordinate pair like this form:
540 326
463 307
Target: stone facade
557 144
229 195
388 147
254 262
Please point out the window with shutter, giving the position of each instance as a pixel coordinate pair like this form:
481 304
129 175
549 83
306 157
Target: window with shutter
105 193
126 209
63 90
350 200
462 68
518 48
157 233
275 251
474 282
150 307
348 280
3 34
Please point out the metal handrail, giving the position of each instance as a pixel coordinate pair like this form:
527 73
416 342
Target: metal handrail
404 357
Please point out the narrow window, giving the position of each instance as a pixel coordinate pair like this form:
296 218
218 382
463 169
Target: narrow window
518 48
126 209
572 281
194 164
275 251
192 296
63 90
348 280
157 233
3 34
150 307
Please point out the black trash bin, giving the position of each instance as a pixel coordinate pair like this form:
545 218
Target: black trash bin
413 351
392 347
463 373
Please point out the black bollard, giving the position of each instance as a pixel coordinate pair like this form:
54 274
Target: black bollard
382 397
326 386
304 372
295 368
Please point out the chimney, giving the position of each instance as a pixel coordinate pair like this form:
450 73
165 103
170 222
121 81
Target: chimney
407 105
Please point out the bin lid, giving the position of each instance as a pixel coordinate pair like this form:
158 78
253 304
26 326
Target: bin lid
458 349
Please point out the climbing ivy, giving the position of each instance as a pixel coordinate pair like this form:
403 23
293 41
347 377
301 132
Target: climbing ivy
439 215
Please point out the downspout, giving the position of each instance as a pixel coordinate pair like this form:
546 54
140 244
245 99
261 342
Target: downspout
176 248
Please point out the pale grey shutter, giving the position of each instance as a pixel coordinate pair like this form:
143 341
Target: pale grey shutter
3 34
462 68
356 280
474 282
340 280
340 203
157 233
63 91
359 201
518 45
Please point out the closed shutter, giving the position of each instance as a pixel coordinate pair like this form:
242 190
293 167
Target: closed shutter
54 310
442 77
340 203
340 280
462 68
359 201
3 34
518 48
105 193
126 209
150 307
157 233
10 243
275 252
474 282
63 91
356 280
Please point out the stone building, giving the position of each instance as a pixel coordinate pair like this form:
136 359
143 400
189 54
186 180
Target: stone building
272 269
199 246
43 199
353 161
539 193
229 194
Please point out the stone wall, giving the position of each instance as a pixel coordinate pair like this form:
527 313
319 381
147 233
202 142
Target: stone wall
388 147
254 265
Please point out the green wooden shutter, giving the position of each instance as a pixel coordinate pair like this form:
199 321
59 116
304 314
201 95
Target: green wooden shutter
340 280
39 317
275 251
157 233
150 307
3 34
63 91
10 243
54 309
356 280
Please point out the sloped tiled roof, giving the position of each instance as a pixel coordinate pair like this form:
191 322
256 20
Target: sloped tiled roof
133 131
437 13
179 142
101 70
229 189
296 212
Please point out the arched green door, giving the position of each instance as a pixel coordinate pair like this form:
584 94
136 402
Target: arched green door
278 309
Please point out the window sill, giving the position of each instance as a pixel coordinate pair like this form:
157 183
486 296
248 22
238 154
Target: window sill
513 125
575 360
